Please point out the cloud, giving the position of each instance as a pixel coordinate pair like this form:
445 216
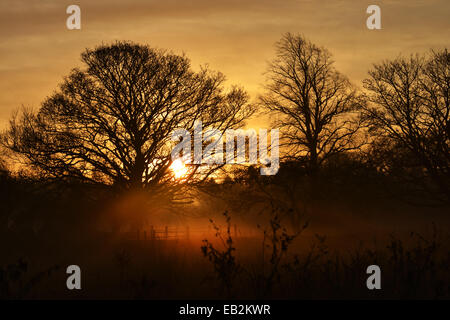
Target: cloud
233 36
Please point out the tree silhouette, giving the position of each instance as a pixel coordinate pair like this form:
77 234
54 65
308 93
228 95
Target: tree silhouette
411 110
111 121
314 104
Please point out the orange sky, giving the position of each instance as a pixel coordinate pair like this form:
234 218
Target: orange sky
235 37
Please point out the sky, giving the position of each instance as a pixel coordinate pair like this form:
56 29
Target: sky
235 37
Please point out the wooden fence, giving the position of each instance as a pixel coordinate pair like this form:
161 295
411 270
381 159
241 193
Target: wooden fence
176 233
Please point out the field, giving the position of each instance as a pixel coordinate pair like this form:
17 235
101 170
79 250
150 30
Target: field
261 255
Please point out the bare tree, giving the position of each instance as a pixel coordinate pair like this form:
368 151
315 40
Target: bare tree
111 121
315 106
410 110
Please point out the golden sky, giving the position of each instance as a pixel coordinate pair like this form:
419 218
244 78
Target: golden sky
235 37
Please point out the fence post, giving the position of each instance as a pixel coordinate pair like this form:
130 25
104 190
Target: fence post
167 232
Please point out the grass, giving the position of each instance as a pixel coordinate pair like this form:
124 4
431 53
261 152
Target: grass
273 266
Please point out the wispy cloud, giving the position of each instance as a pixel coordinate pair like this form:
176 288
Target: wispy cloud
233 36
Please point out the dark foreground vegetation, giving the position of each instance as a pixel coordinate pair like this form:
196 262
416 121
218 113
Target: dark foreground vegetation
258 249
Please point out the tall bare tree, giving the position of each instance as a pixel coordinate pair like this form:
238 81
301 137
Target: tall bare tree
315 106
111 121
410 109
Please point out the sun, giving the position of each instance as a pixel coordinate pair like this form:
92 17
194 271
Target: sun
179 169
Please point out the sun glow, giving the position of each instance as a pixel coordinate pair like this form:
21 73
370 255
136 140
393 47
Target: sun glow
179 169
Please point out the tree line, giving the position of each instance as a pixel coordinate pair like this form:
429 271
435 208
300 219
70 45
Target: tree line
110 121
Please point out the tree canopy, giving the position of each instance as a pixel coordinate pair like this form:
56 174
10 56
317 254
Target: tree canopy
314 105
110 122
